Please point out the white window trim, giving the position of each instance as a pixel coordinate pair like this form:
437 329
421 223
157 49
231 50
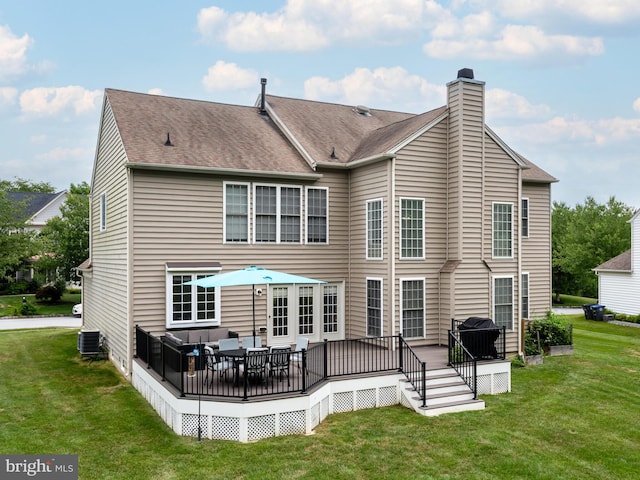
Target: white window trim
422 257
278 188
194 271
528 216
366 221
224 211
513 299
424 303
493 256
528 294
103 211
306 215
366 305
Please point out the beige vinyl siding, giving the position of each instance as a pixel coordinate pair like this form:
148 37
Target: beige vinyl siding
179 218
105 289
368 183
421 172
536 249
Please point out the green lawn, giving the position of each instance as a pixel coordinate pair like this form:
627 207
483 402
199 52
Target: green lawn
573 417
572 301
63 307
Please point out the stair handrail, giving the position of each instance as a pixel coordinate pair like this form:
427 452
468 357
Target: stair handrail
464 363
414 369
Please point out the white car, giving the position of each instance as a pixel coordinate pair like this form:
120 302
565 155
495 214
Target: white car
77 310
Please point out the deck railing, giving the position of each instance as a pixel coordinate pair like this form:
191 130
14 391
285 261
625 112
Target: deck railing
463 362
320 362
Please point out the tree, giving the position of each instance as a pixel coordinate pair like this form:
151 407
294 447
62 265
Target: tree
65 239
15 241
585 237
22 185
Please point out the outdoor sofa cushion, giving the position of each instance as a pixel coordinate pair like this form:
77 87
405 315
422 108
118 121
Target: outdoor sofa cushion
208 336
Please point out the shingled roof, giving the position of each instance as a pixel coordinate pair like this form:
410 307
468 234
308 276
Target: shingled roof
621 263
238 138
203 134
33 202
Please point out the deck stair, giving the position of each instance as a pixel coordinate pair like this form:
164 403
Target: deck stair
446 393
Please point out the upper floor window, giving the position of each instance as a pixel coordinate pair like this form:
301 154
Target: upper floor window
525 217
411 228
103 212
374 229
236 204
317 207
277 214
502 230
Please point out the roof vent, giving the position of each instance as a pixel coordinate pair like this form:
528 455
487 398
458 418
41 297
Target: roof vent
333 152
362 110
466 73
168 142
263 83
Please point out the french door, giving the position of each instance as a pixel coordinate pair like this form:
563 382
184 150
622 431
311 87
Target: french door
312 311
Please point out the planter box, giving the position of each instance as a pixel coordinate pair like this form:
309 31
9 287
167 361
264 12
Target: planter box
559 350
533 359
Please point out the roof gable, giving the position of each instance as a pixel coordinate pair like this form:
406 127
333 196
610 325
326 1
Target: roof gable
35 202
621 263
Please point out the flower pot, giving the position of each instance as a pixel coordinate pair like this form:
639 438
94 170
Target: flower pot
533 359
558 350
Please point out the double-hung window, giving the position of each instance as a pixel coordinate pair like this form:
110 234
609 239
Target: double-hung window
190 305
374 307
317 225
524 294
374 229
236 214
412 304
503 302
525 217
277 214
411 228
502 221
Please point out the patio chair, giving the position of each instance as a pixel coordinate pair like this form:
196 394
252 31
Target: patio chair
228 344
215 365
279 361
256 363
251 342
301 344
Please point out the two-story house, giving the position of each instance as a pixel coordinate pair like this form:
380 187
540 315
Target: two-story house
411 220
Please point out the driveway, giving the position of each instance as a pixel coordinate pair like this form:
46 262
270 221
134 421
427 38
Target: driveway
14 323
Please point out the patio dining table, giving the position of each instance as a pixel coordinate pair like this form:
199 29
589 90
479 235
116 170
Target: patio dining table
236 355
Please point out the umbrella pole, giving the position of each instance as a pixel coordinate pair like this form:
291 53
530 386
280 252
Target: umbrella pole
253 303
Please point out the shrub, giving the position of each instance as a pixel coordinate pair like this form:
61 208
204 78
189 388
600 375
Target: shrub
50 293
27 308
531 346
552 331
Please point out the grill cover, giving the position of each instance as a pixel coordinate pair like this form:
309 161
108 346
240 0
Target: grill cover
479 336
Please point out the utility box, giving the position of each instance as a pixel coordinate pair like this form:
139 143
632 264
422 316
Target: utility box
89 342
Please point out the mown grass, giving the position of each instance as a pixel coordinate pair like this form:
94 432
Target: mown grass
8 304
572 301
573 417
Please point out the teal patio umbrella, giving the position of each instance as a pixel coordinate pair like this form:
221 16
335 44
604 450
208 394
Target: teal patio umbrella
251 276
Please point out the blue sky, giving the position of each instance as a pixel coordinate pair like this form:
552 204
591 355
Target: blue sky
562 77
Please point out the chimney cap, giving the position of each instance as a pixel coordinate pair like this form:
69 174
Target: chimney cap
465 73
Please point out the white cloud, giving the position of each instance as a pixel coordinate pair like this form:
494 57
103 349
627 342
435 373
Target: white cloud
228 76
303 25
512 42
44 101
636 105
13 53
378 88
155 91
593 11
504 104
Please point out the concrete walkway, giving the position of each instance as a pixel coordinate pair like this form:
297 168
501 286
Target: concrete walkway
14 323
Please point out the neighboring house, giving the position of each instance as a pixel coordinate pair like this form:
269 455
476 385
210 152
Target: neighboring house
412 220
619 278
38 208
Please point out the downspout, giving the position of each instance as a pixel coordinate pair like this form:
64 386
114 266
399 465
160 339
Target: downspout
519 269
392 248
350 280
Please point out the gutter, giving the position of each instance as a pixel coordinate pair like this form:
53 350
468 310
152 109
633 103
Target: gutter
223 171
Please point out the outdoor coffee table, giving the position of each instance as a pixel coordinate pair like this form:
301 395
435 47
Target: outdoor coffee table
236 356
